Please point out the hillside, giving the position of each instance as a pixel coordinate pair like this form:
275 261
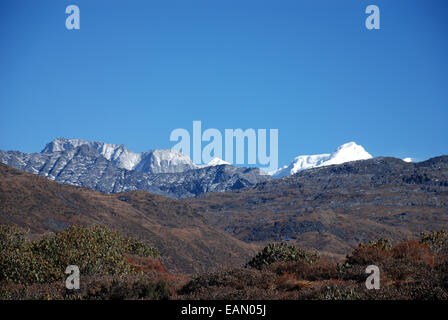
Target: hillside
330 209
187 244
333 208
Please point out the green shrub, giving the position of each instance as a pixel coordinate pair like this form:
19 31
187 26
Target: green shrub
281 252
140 248
382 244
12 237
17 261
437 241
95 250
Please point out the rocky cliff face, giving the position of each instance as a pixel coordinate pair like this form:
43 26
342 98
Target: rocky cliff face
113 168
152 161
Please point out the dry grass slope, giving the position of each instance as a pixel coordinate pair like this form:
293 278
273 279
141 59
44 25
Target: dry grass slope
186 242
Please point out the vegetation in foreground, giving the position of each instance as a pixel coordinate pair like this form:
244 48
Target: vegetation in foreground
116 267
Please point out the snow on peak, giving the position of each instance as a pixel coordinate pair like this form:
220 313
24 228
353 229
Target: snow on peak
62 144
214 162
217 162
407 159
170 155
116 153
157 161
347 152
164 161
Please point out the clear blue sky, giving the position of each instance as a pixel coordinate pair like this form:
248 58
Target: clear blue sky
136 70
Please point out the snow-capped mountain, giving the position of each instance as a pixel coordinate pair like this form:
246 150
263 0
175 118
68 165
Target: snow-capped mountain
153 161
347 152
112 168
214 162
164 161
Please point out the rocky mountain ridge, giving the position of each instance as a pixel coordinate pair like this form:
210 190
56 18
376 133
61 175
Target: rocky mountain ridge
333 208
103 167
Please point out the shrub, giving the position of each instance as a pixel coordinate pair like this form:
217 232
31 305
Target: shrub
120 289
17 261
131 286
437 241
229 283
323 269
383 244
95 250
288 281
12 237
145 265
333 292
239 279
139 248
281 252
370 253
413 250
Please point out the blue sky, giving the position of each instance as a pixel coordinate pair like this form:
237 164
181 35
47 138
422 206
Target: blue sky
136 70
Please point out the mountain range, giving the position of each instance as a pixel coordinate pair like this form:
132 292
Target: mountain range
152 161
113 168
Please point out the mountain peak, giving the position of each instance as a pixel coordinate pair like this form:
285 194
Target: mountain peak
347 152
215 162
164 161
62 144
152 161
348 145
350 151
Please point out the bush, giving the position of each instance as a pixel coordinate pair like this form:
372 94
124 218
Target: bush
383 244
120 289
323 269
281 252
229 283
139 248
131 286
437 241
17 261
372 252
333 292
95 250
414 251
12 237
